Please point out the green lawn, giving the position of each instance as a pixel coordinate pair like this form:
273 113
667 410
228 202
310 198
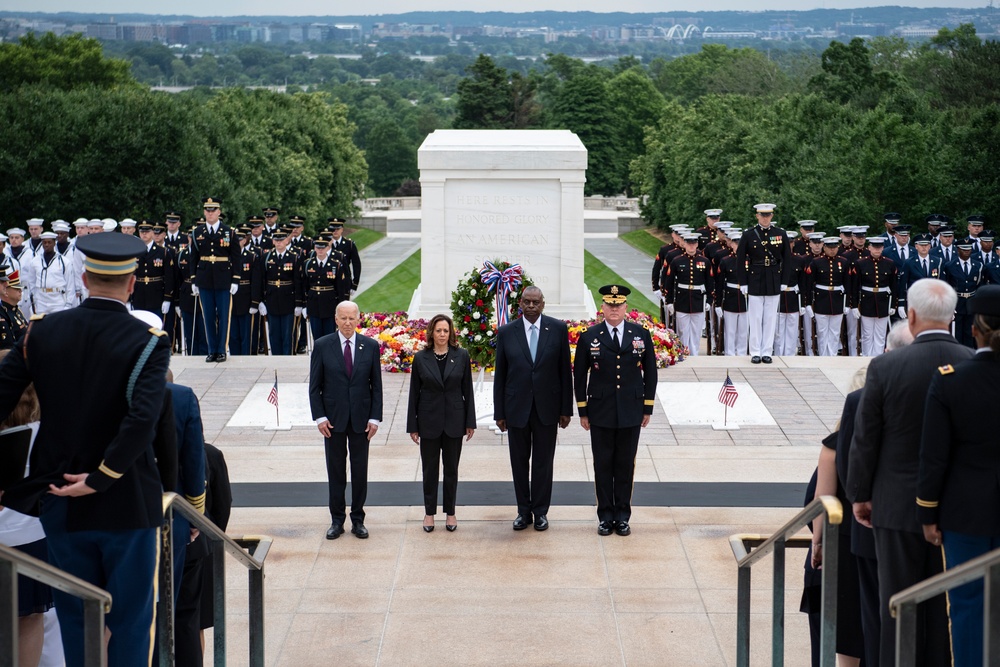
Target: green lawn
365 237
395 290
643 241
598 274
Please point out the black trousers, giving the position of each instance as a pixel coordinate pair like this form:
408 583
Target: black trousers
338 446
432 450
871 621
963 330
532 446
905 559
614 470
187 615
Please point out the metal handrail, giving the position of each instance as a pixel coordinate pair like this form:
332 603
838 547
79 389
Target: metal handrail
750 549
903 605
250 551
96 603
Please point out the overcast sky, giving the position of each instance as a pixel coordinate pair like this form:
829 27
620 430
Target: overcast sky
328 8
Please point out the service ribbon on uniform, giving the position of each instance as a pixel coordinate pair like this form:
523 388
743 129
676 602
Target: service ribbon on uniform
504 282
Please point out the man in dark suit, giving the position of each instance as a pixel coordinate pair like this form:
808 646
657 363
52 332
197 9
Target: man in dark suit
94 474
882 474
532 394
345 394
614 379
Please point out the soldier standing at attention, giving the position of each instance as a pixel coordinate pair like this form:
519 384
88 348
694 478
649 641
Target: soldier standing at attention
614 378
791 306
875 294
731 303
321 276
154 276
277 292
965 274
215 262
761 264
352 259
240 317
689 287
303 245
52 282
827 278
175 237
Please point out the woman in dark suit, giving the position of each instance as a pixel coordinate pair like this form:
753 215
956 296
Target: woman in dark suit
441 410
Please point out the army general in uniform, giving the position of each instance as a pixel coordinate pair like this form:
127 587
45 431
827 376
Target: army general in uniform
614 377
94 477
215 266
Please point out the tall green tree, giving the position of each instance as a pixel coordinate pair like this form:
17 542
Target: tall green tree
636 105
484 97
391 158
61 62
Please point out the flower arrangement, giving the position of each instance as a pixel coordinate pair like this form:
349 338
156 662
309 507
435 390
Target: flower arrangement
667 344
473 307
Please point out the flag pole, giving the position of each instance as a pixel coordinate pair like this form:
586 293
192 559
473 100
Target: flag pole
725 415
277 417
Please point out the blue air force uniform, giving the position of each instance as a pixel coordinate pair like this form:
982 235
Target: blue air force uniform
965 276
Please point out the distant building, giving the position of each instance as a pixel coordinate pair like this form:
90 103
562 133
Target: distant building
107 32
862 29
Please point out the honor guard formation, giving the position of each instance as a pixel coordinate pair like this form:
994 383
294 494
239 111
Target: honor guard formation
261 287
766 291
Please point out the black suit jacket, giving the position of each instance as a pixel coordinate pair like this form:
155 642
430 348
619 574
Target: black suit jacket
341 399
441 404
622 382
547 382
886 445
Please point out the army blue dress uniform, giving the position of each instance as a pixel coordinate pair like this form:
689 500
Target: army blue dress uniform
277 285
352 258
965 274
241 320
321 282
154 278
192 323
958 484
109 537
615 388
215 262
302 244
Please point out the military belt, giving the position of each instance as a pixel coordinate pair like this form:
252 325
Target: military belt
279 283
149 279
965 295
213 259
793 288
732 286
316 288
244 282
877 290
692 288
51 290
828 288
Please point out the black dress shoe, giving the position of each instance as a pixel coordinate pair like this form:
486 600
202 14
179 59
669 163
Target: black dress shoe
622 528
428 529
604 528
755 360
766 360
210 358
541 522
220 357
359 530
336 530
522 521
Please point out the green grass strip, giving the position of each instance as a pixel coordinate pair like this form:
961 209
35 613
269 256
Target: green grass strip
365 237
643 241
598 274
394 291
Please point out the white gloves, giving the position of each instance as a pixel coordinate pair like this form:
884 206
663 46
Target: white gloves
263 309
743 289
305 313
234 288
165 308
253 311
809 312
856 313
846 310
718 312
901 311
194 290
670 309
784 287
802 311
298 311
177 309
708 307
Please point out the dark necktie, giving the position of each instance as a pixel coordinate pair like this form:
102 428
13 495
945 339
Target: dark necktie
926 272
348 360
965 265
614 337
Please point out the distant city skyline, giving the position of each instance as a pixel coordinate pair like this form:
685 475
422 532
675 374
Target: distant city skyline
327 8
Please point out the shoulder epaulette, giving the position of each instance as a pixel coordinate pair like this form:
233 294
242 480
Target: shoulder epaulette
37 316
946 370
583 329
157 332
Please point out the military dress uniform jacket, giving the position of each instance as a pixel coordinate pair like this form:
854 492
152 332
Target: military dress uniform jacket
798 286
958 485
875 288
303 244
688 281
175 241
621 386
965 285
278 283
727 289
352 260
14 324
241 300
763 264
827 280
154 279
215 258
113 444
322 284
913 271
261 244
184 280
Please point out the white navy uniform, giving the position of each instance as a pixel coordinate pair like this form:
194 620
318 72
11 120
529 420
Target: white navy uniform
52 285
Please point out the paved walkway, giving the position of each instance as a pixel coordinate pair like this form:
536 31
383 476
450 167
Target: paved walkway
486 595
634 266
383 256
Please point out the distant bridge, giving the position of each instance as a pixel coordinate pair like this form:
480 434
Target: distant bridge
680 32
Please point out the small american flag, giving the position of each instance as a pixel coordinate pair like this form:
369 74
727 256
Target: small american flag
728 393
272 398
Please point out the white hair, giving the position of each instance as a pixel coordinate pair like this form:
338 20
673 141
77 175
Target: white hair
932 299
899 336
348 304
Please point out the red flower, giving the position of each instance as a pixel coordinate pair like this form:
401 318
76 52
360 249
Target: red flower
479 302
482 326
468 319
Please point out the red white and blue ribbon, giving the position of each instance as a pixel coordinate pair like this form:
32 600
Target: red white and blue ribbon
504 282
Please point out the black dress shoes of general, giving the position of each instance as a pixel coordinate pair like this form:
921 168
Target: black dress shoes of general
523 521
541 522
755 360
605 527
766 360
221 356
336 530
210 358
359 530
622 528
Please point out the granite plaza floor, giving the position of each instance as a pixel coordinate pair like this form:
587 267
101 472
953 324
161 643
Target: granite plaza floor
485 595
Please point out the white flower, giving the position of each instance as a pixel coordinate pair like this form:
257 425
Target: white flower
461 302
464 332
489 332
478 338
475 316
513 295
472 292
